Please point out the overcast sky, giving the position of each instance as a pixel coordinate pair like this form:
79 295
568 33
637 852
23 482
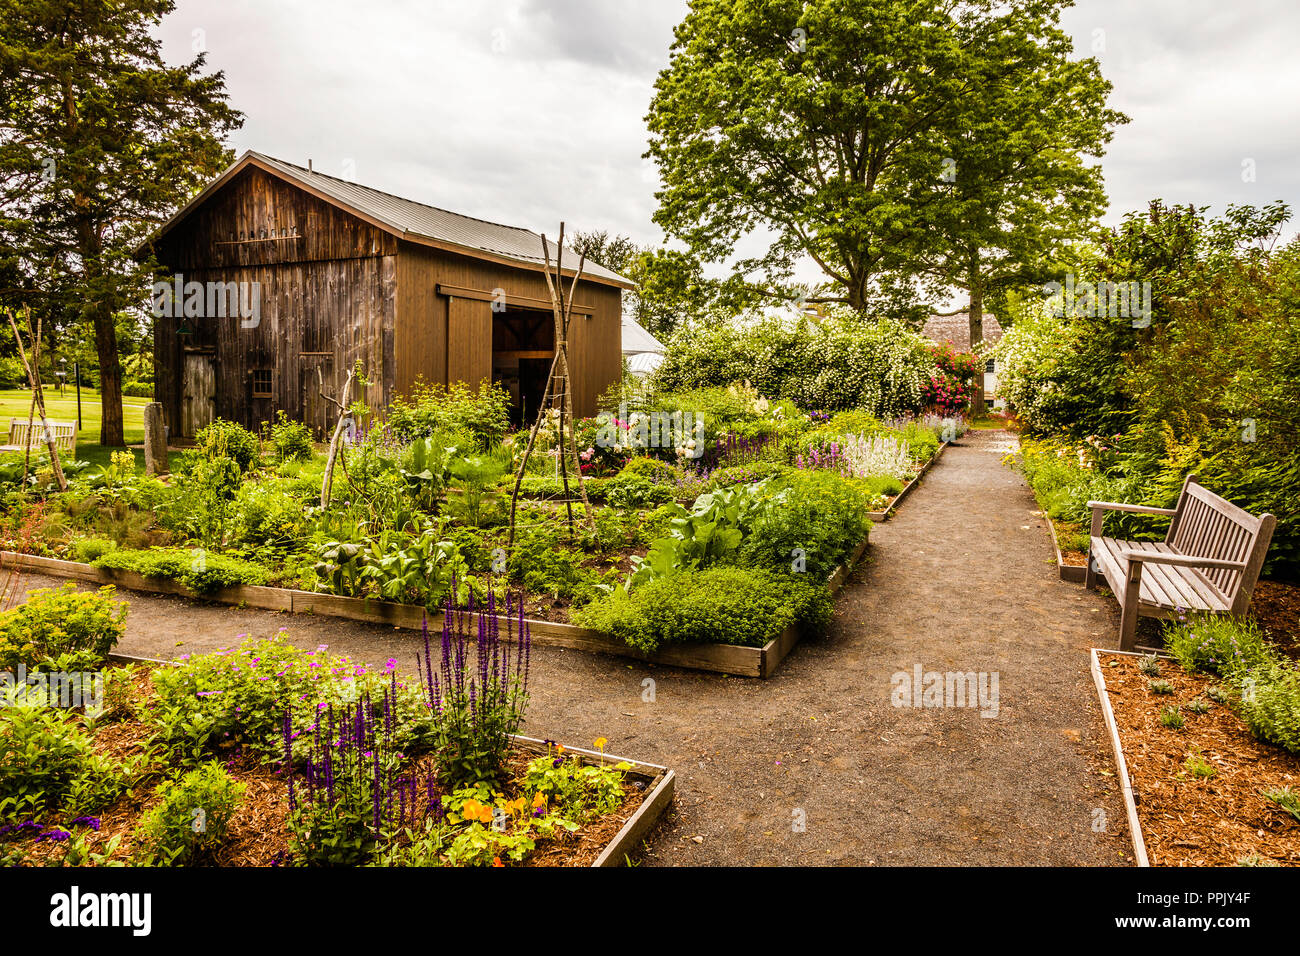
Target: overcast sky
531 111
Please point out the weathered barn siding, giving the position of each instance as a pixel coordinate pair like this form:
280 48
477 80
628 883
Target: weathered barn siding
328 298
338 288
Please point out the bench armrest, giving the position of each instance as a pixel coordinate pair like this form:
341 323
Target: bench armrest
1181 560
1139 509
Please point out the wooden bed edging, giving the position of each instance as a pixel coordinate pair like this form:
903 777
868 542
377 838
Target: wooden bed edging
1074 573
661 784
1125 785
907 489
734 659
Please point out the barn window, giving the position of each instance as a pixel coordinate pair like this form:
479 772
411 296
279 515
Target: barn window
261 383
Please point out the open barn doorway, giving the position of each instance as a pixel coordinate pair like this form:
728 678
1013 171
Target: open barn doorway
523 346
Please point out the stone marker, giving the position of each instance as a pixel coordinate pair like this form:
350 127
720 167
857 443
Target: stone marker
155 440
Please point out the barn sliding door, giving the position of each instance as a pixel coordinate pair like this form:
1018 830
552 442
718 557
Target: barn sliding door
469 340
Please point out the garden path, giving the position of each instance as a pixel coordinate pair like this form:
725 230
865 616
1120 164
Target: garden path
815 766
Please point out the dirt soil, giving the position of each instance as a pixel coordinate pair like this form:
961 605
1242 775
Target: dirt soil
1199 821
814 765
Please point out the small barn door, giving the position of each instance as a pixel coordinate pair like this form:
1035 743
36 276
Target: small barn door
198 393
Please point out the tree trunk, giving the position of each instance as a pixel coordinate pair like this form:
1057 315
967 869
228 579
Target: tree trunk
977 337
110 378
90 248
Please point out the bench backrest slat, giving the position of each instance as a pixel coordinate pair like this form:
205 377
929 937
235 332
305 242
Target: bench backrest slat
1209 526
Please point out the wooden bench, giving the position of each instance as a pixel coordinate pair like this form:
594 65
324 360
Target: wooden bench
21 432
1209 561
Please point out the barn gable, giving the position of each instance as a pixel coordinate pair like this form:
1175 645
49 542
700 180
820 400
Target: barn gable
341 273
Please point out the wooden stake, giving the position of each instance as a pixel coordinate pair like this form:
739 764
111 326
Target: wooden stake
342 406
557 387
38 399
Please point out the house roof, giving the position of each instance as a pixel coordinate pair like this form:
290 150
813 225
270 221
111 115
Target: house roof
956 329
407 219
636 339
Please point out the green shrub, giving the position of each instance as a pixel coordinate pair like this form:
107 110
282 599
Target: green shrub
48 763
87 550
635 491
921 440
745 474
1270 705
854 421
191 818
843 362
542 566
198 570
729 605
650 468
1217 644
66 620
291 440
481 414
223 439
268 515
138 389
814 516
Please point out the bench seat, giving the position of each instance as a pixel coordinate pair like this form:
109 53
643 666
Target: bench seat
1163 586
1207 564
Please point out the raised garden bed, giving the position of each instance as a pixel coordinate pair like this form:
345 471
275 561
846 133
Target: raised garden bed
1066 566
907 489
1194 795
736 660
259 829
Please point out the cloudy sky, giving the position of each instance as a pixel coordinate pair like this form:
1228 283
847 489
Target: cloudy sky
531 111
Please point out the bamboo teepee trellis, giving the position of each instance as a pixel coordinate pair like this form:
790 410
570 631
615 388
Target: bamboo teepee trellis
32 368
558 393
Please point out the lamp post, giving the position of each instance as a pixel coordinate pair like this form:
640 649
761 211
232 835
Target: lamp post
76 371
63 375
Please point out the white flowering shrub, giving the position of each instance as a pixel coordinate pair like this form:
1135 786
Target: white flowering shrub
1028 355
845 361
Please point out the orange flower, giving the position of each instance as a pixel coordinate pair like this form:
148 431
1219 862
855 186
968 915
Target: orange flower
539 799
473 810
600 744
496 861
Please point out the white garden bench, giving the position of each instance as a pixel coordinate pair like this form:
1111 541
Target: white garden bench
1209 561
21 432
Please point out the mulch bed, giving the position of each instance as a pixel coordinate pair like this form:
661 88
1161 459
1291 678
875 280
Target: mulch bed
259 834
1191 821
1276 606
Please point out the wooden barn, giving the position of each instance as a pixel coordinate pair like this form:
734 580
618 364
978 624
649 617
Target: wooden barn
284 277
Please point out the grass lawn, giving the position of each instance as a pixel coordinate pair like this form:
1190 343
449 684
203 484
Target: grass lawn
15 402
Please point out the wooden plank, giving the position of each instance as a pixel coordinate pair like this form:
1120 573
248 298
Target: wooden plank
511 298
1073 573
1125 785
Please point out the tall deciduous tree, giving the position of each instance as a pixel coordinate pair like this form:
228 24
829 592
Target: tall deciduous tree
830 122
1017 186
99 140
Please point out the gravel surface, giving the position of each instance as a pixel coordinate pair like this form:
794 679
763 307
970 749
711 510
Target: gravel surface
815 765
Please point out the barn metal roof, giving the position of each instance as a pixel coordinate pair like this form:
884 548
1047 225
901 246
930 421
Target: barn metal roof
413 220
637 339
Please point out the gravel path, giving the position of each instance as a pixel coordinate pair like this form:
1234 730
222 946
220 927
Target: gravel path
816 765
